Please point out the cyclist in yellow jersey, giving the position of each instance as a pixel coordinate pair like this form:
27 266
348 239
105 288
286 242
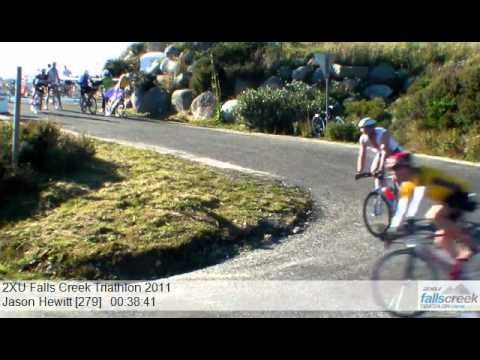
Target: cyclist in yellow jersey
450 197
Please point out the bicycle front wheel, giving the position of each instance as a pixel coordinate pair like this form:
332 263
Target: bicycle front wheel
393 277
377 214
83 107
92 105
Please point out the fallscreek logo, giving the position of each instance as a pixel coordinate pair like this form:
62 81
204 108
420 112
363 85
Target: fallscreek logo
455 296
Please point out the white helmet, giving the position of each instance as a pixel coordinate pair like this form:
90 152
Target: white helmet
366 122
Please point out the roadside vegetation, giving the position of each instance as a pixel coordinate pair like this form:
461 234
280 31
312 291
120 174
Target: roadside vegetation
84 209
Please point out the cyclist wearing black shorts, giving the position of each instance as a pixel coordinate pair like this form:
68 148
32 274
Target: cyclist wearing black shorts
40 85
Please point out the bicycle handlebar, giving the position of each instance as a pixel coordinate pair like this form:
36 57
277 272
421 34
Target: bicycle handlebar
378 175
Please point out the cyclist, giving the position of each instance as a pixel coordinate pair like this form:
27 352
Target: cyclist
54 83
40 84
380 141
85 83
450 197
118 91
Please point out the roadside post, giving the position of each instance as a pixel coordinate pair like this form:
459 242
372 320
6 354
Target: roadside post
16 119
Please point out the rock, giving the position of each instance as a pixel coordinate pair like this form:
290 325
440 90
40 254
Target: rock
312 62
182 99
285 73
228 110
296 230
203 107
350 72
241 85
374 91
408 82
137 98
297 62
186 57
155 101
182 80
154 69
168 66
148 59
382 74
318 76
301 73
172 52
273 82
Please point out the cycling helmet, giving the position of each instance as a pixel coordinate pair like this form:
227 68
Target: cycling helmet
399 159
366 122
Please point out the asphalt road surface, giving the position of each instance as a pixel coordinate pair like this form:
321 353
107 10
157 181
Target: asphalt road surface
334 246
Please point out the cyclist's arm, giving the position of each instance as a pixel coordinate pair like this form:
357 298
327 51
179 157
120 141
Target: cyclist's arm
361 156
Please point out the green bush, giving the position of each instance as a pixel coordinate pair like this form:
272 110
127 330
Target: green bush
448 99
45 149
342 132
275 110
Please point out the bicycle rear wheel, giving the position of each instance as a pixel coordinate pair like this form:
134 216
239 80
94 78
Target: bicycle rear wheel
393 287
377 214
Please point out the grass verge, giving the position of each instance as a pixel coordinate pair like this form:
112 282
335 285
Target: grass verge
136 214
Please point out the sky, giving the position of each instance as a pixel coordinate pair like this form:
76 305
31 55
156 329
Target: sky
77 56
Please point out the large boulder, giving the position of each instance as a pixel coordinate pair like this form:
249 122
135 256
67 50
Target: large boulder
182 80
203 106
228 110
317 76
375 91
155 101
186 57
350 72
172 52
285 73
273 82
382 74
182 99
301 73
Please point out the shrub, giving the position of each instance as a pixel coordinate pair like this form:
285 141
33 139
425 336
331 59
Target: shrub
275 110
342 132
46 149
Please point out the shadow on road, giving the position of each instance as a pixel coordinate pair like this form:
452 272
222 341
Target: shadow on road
78 116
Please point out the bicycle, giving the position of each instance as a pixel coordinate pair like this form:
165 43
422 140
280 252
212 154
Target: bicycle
116 105
319 122
89 102
380 205
53 92
420 259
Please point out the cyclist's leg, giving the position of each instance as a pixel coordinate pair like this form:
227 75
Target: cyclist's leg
449 231
57 93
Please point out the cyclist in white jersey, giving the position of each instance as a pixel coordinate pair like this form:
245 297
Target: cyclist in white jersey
380 141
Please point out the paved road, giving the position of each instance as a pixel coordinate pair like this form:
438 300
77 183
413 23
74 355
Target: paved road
335 246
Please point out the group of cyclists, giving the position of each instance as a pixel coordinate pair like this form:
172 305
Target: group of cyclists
48 82
449 194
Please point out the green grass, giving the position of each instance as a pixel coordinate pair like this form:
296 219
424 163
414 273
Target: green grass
135 214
